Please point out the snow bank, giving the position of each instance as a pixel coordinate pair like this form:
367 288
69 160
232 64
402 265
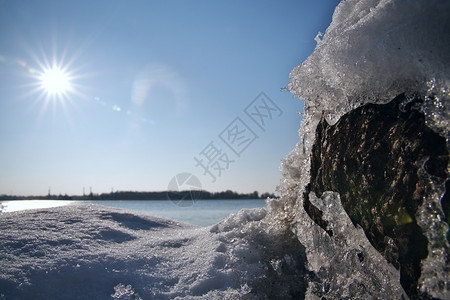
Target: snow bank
94 252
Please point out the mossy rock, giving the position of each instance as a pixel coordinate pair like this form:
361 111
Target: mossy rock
371 157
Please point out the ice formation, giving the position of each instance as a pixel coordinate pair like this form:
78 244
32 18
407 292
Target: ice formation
372 51
346 264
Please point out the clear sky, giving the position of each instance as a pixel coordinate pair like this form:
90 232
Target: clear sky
125 95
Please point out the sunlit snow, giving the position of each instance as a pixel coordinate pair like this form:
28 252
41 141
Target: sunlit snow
95 252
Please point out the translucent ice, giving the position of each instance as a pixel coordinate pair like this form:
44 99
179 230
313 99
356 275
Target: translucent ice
372 51
346 263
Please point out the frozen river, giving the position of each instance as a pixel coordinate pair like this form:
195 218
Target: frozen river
202 212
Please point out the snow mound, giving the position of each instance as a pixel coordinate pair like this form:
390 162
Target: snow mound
94 252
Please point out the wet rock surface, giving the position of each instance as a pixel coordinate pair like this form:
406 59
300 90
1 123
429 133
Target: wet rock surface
371 157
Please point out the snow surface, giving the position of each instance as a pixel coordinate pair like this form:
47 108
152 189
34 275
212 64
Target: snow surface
95 252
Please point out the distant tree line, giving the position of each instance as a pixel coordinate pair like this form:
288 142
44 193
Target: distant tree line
130 195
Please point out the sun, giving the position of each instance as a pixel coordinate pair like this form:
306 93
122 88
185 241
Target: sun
55 81
54 84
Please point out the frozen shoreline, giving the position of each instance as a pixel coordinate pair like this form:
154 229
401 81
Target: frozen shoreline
201 213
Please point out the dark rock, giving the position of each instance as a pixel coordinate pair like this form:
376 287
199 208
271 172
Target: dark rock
371 157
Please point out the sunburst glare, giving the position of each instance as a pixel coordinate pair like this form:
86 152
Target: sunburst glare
55 81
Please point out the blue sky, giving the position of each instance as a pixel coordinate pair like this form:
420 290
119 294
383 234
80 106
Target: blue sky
156 87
